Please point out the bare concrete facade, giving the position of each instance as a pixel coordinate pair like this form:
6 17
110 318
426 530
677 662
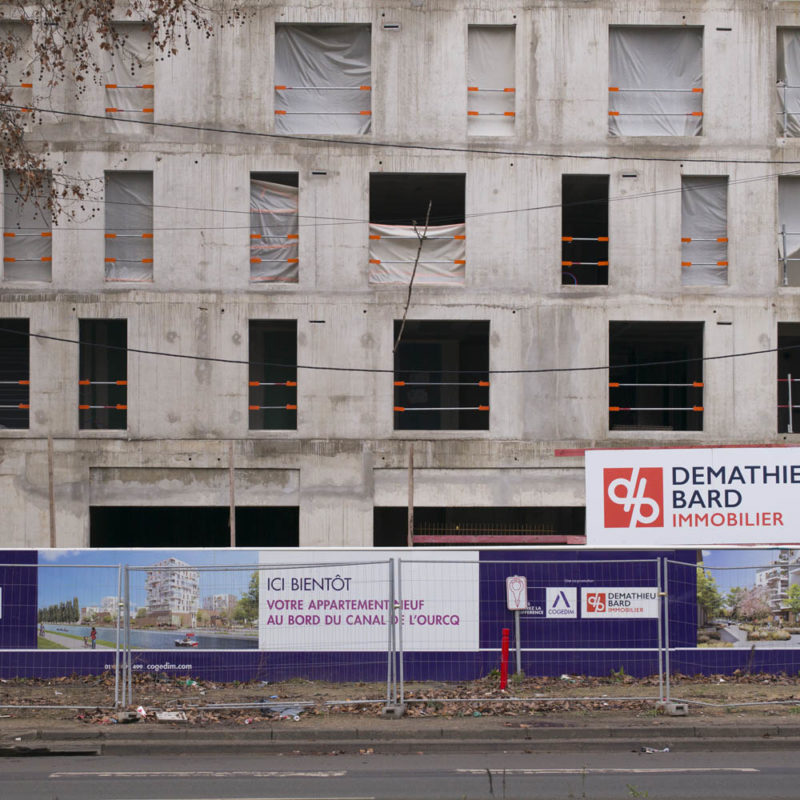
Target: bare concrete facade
345 457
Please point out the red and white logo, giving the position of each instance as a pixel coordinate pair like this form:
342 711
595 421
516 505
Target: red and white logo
595 603
633 497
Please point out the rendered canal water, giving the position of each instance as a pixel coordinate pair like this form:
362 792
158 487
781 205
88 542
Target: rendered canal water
162 640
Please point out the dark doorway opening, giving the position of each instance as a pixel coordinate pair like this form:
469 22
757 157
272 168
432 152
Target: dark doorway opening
192 526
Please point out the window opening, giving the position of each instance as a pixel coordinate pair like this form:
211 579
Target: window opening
704 231
491 85
130 86
17 74
475 525
789 377
441 375
789 229
584 229
103 384
322 79
788 122
27 231
396 202
14 374
656 81
274 230
273 374
644 392
129 226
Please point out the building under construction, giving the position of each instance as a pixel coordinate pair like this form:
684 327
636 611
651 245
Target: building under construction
496 235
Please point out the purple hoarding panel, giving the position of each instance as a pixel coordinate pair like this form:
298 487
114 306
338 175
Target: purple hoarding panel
18 593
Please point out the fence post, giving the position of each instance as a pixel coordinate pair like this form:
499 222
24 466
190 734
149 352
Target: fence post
789 401
127 696
120 611
400 649
391 685
666 630
661 600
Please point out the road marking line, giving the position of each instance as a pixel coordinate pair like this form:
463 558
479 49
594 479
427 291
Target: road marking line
208 774
606 770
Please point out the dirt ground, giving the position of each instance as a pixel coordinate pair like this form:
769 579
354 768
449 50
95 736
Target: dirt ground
90 699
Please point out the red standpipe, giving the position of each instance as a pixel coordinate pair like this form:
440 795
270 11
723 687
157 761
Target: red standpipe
504 659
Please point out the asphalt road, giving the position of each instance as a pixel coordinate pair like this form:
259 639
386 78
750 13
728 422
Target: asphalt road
594 776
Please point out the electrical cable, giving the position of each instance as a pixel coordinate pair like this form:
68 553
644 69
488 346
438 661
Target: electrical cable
386 371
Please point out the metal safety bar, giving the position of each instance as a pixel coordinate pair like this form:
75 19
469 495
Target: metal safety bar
507 89
491 113
17 405
570 239
129 236
130 86
424 261
655 113
584 263
323 113
274 260
414 237
272 383
704 263
15 383
293 236
695 384
14 234
708 239
10 260
117 407
287 407
655 408
111 260
102 383
441 408
695 90
280 88
113 110
441 383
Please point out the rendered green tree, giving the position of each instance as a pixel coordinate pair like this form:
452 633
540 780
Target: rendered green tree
708 597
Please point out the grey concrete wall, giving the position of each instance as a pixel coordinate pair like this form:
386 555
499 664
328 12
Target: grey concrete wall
345 457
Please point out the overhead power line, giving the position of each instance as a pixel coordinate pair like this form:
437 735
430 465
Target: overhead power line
387 371
370 143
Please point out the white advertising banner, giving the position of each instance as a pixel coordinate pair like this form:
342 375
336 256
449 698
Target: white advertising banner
693 497
639 602
340 601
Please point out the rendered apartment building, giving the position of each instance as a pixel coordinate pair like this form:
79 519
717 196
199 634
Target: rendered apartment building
502 234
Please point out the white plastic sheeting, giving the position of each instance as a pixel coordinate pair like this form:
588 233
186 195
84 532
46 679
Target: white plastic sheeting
393 250
322 79
655 81
130 69
129 226
273 232
704 220
490 80
789 222
27 229
789 81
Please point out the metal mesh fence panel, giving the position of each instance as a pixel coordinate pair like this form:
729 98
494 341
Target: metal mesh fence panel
264 623
59 619
587 618
737 615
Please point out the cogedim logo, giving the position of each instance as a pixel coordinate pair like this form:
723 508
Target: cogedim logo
633 497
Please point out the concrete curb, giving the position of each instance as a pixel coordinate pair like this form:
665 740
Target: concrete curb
144 740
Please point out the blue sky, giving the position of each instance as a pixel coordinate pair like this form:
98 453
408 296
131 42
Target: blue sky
60 583
737 567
